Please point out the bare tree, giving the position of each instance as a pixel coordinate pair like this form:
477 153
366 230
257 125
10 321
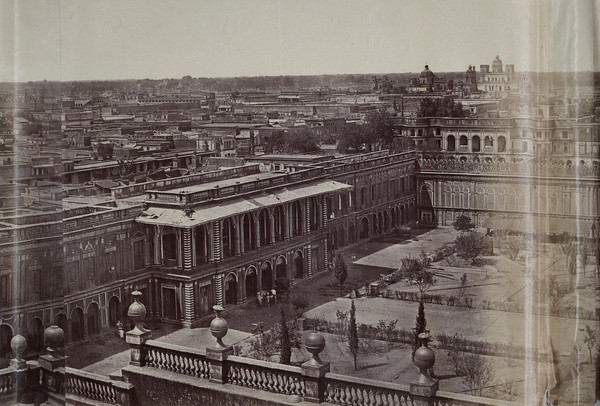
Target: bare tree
568 246
478 373
416 272
513 246
590 340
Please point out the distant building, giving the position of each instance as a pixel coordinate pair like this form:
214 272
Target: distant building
499 80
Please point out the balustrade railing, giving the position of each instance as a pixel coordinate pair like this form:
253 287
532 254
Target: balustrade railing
348 391
96 387
267 376
7 381
174 358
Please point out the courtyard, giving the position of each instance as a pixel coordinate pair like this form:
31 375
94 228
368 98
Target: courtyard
504 308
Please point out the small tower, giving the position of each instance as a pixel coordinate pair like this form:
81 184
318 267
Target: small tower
497 65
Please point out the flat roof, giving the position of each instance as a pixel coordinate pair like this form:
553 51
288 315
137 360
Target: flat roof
176 217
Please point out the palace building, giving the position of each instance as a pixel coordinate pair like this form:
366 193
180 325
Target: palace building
188 243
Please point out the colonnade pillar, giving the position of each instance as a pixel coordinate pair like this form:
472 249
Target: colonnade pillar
187 249
238 235
271 213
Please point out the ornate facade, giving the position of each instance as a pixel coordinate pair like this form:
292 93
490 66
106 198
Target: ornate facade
191 242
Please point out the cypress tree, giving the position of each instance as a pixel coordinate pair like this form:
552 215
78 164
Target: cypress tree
353 334
286 345
420 325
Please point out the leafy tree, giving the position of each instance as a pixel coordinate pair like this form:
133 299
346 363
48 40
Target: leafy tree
443 107
470 245
380 128
340 271
463 223
352 138
105 150
285 342
415 271
299 302
353 334
303 140
275 142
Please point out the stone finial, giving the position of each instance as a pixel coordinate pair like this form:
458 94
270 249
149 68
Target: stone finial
54 337
18 344
315 344
424 359
219 327
137 312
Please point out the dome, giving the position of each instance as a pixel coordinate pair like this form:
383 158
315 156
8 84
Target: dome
426 73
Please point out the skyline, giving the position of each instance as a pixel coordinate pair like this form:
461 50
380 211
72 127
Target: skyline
70 40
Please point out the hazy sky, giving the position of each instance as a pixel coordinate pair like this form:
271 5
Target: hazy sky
129 39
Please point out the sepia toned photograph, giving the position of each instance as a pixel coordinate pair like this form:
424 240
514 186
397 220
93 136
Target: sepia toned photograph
275 202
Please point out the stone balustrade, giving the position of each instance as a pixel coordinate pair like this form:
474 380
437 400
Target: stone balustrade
217 367
267 376
347 391
174 358
7 381
86 385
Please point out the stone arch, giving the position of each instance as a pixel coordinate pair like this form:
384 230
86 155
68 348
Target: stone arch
364 227
93 319
488 141
374 224
380 223
77 324
266 276
230 282
451 141
351 233
114 310
501 143
386 219
298 264
251 277
341 236
281 267
333 243
6 334
476 143
463 141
